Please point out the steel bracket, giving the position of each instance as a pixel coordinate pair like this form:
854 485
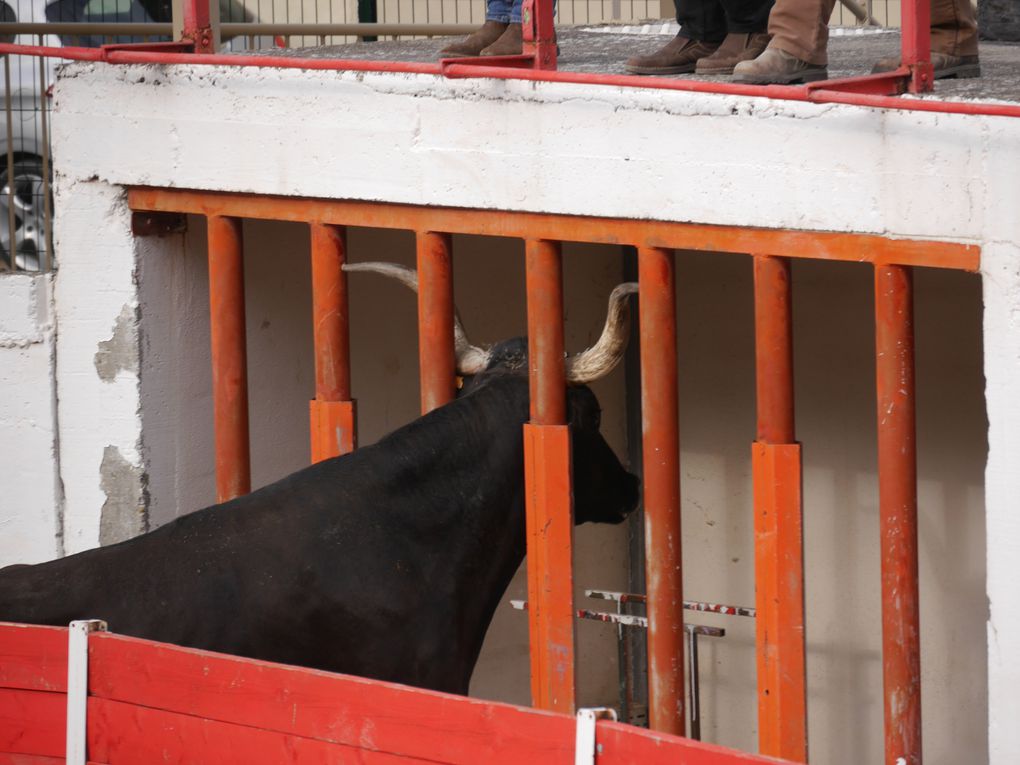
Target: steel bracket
158 223
447 66
892 83
180 46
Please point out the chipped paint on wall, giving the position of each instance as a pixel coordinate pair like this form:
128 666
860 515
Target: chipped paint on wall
120 352
124 514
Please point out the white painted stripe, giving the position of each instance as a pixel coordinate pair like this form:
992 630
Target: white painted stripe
584 740
78 686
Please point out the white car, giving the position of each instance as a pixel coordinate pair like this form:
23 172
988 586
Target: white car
21 183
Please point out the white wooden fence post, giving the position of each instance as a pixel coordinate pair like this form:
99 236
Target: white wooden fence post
78 686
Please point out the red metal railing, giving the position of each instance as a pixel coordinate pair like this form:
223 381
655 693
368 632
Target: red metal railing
813 93
776 454
149 702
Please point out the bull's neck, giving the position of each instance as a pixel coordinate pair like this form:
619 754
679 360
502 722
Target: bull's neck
463 467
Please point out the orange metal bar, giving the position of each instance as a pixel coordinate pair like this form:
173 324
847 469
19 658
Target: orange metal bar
773 321
229 358
779 539
332 412
550 528
545 332
661 458
547 485
897 485
574 228
779 597
435 321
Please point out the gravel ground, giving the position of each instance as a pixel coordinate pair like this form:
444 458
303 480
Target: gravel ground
604 49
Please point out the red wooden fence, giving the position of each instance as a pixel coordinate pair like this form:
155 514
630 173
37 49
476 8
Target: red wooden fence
151 702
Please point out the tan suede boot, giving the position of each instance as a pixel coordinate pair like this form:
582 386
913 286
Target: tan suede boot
678 56
510 43
473 44
945 65
777 67
734 49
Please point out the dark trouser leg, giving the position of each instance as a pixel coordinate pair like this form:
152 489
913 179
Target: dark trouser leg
746 16
702 20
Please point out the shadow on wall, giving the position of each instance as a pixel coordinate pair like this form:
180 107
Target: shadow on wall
834 360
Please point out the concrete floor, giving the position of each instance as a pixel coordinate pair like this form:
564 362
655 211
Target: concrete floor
604 49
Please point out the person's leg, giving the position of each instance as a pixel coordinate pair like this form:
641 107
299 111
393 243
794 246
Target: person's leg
746 38
797 52
801 28
511 43
497 19
954 28
702 29
954 41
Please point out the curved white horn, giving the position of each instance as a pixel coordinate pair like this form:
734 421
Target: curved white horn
470 358
601 358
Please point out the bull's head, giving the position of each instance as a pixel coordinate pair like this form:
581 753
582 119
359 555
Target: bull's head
604 491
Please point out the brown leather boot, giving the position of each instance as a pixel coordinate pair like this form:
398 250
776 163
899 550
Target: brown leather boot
944 64
473 44
510 43
678 56
735 48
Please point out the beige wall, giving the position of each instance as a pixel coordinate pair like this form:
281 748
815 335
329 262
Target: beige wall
836 423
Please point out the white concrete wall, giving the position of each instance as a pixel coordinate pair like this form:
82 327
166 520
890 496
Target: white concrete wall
557 148
30 502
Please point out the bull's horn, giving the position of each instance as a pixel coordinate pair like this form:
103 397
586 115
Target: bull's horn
601 358
470 358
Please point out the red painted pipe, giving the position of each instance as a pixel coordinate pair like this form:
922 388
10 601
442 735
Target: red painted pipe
229 357
778 522
897 486
454 70
915 44
773 349
545 332
435 321
661 458
548 498
331 330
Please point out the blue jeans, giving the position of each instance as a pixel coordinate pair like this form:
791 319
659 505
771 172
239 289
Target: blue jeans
506 11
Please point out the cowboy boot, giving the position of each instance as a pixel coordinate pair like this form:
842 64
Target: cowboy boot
737 47
510 43
473 44
679 56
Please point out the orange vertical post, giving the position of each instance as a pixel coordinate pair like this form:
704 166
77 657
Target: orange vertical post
778 522
550 523
661 458
332 411
897 486
229 357
435 321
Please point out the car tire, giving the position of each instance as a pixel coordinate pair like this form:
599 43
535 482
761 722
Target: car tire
30 225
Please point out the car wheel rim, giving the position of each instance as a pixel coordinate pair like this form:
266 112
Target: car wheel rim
29 220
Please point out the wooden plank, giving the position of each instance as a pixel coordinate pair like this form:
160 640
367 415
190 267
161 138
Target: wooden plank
33 657
324 706
32 722
620 744
6 758
129 734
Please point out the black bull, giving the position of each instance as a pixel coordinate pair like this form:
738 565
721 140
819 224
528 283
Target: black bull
386 563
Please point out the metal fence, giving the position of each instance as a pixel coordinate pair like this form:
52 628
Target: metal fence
25 173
